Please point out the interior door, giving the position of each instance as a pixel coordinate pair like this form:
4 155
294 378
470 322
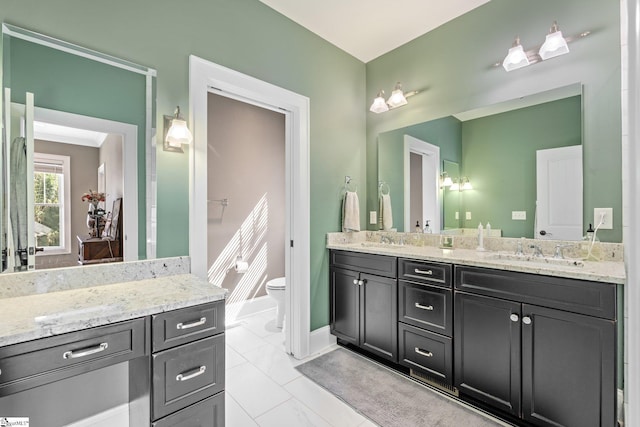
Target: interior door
559 193
421 173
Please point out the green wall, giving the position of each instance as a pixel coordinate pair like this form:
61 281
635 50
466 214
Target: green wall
249 37
70 83
453 68
445 133
499 157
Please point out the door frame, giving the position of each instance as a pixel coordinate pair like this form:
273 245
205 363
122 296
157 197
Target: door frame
415 145
206 77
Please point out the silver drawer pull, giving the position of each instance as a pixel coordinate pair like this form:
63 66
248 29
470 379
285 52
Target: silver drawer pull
85 352
427 272
188 375
423 353
200 322
424 307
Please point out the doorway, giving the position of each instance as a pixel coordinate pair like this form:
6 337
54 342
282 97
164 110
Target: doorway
205 77
421 185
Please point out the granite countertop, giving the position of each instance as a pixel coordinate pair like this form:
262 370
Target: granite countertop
29 317
599 271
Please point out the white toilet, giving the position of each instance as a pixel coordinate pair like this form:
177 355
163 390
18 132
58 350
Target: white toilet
275 289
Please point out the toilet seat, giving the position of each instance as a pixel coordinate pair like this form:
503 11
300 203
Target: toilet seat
277 283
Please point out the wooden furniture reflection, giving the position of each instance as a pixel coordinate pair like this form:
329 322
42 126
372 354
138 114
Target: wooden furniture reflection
94 250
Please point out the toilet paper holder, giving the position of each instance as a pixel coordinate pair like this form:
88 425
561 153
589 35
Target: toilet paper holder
241 266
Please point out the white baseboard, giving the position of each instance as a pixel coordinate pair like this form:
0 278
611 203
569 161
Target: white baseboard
320 340
237 310
117 416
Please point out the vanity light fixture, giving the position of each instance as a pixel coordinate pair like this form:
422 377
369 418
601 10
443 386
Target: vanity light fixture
445 180
397 99
554 44
176 132
455 186
516 58
466 185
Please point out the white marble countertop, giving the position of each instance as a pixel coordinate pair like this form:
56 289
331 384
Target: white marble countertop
29 317
600 271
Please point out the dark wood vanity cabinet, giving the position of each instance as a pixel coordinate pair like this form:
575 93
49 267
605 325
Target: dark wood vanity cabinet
363 302
425 319
540 348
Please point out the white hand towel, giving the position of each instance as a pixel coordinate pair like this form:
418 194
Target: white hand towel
350 212
385 212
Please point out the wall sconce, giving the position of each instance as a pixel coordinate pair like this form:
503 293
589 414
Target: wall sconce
555 44
397 99
466 185
445 180
455 186
176 132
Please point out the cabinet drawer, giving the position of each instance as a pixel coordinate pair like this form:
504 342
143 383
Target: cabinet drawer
187 374
379 265
577 296
431 273
42 361
426 352
188 324
426 307
208 413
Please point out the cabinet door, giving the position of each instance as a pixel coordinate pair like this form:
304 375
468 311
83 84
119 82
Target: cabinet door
344 304
379 316
487 350
568 367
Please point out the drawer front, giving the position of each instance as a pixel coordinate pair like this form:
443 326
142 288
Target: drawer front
379 265
179 327
187 374
426 307
45 360
426 352
577 296
432 273
208 413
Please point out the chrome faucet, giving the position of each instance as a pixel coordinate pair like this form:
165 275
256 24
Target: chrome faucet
519 250
537 251
559 254
385 239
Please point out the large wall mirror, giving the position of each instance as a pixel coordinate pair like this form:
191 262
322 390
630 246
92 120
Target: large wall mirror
77 155
500 152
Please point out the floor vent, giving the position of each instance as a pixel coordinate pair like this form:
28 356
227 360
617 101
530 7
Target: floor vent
434 382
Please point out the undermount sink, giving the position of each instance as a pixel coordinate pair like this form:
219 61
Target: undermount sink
537 259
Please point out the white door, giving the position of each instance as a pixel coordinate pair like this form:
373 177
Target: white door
559 193
430 184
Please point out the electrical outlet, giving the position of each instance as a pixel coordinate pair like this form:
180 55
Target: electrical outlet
607 223
519 215
457 215
373 217
468 215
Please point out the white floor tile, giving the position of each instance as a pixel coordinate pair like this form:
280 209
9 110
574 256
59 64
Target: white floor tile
253 390
232 358
273 362
291 413
368 423
332 409
234 415
262 324
277 340
243 340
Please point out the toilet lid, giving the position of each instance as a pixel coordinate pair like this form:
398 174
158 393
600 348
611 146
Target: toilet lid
277 283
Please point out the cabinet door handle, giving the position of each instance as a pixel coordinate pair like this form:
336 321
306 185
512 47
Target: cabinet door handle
191 374
85 352
200 322
526 320
514 317
427 272
423 353
424 307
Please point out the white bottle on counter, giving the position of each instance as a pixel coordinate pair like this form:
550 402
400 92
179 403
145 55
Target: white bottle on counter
480 238
487 228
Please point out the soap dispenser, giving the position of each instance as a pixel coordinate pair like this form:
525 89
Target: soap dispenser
418 229
590 248
427 228
480 238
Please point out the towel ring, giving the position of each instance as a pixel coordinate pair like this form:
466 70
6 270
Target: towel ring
382 187
349 185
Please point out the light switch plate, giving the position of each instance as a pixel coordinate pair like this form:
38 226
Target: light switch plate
468 215
373 217
519 215
608 218
457 215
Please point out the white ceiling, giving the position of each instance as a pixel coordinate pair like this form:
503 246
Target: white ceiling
67 135
369 28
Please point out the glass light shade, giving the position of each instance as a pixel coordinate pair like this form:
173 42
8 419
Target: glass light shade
516 58
379 105
466 184
447 181
397 98
554 45
179 133
455 186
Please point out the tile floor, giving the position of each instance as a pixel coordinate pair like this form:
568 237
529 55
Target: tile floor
264 389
